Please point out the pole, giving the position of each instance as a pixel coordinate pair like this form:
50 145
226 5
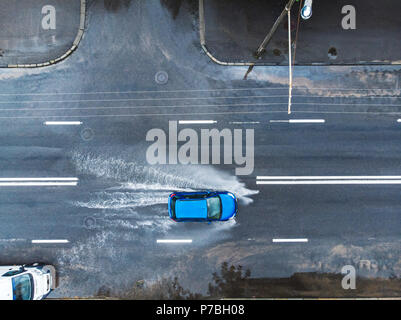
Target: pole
267 39
289 63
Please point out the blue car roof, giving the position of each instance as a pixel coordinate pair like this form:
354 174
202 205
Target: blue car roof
191 209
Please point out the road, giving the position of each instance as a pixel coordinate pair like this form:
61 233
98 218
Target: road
116 212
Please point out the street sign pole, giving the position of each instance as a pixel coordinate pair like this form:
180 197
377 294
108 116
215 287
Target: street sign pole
289 63
267 39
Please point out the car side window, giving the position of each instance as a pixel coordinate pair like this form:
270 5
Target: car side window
12 273
196 196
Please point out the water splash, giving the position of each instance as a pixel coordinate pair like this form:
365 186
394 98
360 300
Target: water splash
134 176
121 200
139 198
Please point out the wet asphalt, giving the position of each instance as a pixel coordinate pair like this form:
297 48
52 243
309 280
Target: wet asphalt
118 210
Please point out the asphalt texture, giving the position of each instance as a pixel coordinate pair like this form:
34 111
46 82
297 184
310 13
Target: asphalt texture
28 36
114 216
235 29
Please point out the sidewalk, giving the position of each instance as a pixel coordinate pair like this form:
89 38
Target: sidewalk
235 28
38 31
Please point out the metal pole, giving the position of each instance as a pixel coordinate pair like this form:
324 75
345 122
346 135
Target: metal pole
289 63
267 39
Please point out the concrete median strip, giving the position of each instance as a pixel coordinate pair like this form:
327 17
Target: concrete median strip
74 46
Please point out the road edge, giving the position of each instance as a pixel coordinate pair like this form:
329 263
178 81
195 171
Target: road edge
202 28
74 46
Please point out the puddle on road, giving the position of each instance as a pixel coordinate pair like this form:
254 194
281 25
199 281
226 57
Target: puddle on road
134 177
140 195
131 215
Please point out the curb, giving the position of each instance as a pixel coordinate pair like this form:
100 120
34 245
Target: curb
202 28
74 46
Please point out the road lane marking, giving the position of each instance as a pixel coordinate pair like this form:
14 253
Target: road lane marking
38 184
244 122
51 241
12 240
145 115
315 180
197 121
62 123
39 179
197 114
300 121
276 104
140 99
290 240
174 241
330 182
306 121
326 177
149 106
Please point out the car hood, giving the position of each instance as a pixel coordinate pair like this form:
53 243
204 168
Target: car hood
228 203
40 282
191 209
6 289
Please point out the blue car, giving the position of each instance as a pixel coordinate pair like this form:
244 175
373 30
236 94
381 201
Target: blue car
202 206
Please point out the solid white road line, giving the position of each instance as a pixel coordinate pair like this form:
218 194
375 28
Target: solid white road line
300 121
331 182
141 99
39 179
197 121
174 241
306 121
325 177
291 240
197 114
50 241
38 184
62 123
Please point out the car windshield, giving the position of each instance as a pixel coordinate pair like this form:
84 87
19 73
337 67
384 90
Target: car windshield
22 287
213 208
173 201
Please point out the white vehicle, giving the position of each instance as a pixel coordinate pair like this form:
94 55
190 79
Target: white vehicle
26 282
